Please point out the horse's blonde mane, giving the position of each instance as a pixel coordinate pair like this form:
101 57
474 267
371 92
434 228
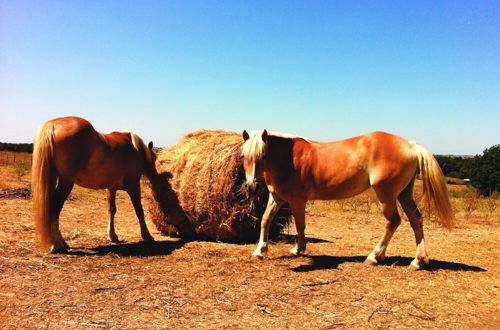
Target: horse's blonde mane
254 147
139 144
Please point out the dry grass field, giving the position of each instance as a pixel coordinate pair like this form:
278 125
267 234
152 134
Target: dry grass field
173 283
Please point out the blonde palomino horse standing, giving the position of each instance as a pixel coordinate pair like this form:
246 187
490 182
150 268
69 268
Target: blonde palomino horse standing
68 151
296 170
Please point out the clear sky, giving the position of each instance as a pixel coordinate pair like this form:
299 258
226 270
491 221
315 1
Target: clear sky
425 70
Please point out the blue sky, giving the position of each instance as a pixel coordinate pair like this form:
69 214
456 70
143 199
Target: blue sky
426 70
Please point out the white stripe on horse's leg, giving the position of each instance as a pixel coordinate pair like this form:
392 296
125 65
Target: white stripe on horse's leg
378 253
111 229
273 206
393 220
421 257
415 218
422 252
111 197
59 243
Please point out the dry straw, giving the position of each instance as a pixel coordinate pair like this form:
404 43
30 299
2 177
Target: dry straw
200 194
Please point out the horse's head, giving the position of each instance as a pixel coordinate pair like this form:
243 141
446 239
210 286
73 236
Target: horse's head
254 153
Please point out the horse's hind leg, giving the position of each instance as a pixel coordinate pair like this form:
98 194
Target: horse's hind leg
415 217
390 211
111 197
135 196
61 193
299 215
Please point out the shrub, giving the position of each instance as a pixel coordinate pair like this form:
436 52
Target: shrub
485 174
21 169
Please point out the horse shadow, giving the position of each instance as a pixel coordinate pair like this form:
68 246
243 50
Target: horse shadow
332 262
137 249
290 239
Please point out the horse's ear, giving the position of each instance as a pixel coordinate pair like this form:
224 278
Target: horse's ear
150 145
264 136
245 135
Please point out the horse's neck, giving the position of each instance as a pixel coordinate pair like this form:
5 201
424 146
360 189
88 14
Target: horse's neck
279 154
118 142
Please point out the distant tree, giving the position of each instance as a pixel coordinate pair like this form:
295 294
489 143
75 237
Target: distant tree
485 171
17 147
455 167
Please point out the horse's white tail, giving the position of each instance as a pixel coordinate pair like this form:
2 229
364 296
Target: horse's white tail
43 180
434 186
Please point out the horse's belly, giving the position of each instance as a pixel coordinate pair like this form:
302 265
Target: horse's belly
340 189
96 181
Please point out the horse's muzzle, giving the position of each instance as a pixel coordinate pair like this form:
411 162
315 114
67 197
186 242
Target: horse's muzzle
251 187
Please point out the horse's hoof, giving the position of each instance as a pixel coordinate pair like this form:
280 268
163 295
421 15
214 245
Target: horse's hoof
59 248
426 261
148 239
419 264
414 266
113 239
257 256
370 261
296 251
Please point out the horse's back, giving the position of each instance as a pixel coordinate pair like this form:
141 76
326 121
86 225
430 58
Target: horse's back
344 168
74 142
92 159
330 170
67 128
121 148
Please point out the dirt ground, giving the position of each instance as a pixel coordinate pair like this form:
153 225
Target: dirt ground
174 284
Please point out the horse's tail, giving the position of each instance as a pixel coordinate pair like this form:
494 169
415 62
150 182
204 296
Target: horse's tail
43 181
434 186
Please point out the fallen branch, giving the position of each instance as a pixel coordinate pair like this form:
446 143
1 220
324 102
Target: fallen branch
378 310
115 288
426 316
319 283
264 310
91 324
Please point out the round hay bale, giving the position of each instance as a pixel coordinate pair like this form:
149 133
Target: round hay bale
199 193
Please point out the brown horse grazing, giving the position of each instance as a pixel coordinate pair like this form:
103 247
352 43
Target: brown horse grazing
297 170
68 151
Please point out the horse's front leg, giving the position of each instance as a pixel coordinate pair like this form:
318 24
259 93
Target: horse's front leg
135 195
299 215
273 206
111 197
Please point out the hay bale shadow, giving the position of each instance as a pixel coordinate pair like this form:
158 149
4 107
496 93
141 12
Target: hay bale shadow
140 249
137 249
332 262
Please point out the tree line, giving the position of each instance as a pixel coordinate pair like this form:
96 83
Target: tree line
483 171
17 147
